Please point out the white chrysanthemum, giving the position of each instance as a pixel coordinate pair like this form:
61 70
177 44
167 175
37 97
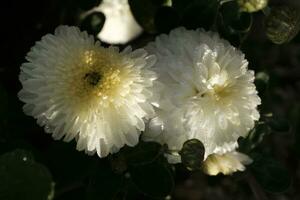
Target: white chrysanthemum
204 91
78 89
226 164
120 26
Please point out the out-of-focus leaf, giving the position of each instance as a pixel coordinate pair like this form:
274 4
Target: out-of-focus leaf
142 153
270 174
153 179
93 23
282 24
23 178
192 154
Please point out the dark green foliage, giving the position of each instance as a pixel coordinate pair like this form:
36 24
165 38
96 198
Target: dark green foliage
254 138
23 178
55 169
270 174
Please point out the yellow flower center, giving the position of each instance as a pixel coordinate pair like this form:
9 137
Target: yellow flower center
95 77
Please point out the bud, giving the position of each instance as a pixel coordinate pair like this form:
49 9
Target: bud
283 24
192 154
252 5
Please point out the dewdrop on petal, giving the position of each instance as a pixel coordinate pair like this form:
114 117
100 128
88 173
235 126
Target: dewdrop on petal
226 164
77 89
204 91
120 26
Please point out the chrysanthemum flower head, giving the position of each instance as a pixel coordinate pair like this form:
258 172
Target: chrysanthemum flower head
204 91
226 164
77 89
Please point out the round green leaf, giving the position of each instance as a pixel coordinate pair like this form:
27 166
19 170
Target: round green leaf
22 178
282 24
192 154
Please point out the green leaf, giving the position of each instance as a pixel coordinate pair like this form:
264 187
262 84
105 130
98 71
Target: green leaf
234 19
282 24
154 179
233 24
270 174
93 23
23 178
142 153
192 154
254 138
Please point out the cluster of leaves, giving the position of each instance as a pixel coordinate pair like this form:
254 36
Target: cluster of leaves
34 167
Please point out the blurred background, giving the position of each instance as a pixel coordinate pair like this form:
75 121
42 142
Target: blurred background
57 166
